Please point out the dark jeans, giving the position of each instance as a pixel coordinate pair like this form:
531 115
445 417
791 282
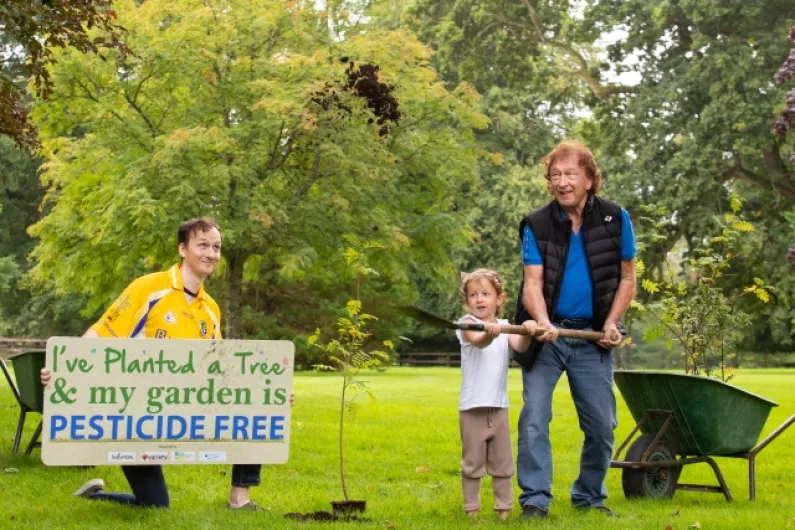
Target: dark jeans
149 485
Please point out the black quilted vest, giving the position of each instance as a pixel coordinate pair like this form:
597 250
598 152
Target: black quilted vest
601 231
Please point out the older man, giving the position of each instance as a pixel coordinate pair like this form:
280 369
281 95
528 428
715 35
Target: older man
578 253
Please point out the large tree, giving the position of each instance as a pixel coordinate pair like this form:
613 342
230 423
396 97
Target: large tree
251 112
702 98
24 311
29 32
677 98
697 126
785 75
469 38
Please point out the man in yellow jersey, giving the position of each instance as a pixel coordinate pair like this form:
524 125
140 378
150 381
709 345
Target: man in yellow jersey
171 304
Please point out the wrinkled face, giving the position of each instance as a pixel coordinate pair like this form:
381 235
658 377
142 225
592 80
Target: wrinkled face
568 181
202 252
483 300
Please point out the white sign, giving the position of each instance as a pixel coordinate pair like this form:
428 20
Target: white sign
164 402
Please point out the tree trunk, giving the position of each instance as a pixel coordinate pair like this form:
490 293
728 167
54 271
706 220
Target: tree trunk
342 438
234 295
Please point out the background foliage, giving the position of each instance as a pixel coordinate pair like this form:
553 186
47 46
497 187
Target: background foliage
418 124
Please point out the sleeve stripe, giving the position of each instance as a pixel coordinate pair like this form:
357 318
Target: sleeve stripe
154 298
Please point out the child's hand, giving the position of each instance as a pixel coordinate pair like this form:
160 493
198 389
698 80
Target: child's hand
292 399
493 329
531 326
45 375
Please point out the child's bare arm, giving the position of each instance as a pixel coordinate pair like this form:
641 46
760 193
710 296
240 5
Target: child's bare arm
482 339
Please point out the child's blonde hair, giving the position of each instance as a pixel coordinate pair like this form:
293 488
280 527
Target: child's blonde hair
492 276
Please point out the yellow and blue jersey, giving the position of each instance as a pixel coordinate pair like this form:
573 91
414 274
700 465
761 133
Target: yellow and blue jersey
155 307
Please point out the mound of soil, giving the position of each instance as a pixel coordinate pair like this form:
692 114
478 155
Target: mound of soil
324 516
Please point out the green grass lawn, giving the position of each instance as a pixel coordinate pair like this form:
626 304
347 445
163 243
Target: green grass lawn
403 456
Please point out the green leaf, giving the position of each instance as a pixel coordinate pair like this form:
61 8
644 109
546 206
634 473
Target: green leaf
354 307
743 226
653 332
640 267
650 286
351 256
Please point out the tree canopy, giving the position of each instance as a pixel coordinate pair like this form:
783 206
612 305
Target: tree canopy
257 117
676 99
35 29
416 125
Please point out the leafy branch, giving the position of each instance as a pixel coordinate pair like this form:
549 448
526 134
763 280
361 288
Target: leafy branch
689 302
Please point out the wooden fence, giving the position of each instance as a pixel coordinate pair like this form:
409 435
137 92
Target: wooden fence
436 359
430 359
12 346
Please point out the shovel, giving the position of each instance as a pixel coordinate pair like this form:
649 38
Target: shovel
439 322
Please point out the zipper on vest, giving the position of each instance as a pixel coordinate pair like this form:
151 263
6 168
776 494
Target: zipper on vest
559 286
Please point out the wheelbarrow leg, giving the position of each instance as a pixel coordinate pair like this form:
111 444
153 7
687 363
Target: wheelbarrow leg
20 424
632 433
34 442
719 476
752 477
751 455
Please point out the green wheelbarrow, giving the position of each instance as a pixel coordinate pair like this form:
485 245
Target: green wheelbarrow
685 419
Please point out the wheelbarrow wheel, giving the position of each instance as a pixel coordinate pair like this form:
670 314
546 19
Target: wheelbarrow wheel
654 482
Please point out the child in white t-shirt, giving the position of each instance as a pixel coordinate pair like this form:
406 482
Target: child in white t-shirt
483 407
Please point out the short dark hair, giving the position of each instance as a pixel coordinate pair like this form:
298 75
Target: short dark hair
190 227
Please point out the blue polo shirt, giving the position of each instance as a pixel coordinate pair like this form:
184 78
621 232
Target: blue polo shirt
576 292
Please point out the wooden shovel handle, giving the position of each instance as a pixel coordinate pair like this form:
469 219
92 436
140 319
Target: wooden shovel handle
562 332
519 330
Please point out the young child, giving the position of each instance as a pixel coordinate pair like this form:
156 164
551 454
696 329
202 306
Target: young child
483 407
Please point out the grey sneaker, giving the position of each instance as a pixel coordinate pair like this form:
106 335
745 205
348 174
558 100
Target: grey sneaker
604 509
534 512
95 485
248 505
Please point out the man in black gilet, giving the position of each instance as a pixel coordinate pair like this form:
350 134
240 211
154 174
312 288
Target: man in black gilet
578 254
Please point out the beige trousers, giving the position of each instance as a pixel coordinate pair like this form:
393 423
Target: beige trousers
486 448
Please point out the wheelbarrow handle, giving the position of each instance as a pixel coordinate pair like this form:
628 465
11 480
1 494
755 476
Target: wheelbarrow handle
772 436
519 330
